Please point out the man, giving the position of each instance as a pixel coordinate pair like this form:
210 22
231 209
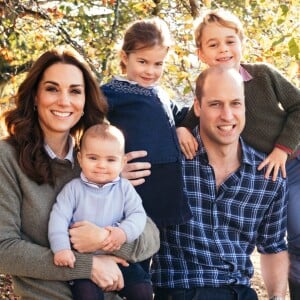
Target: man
235 209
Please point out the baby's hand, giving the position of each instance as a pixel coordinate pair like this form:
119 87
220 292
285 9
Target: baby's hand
188 144
64 258
115 240
275 161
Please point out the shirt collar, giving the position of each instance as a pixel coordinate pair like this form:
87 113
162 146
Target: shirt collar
69 156
124 79
96 185
245 74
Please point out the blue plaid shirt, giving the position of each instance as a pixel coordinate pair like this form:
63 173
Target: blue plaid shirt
213 249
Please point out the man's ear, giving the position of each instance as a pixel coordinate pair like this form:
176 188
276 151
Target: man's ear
197 107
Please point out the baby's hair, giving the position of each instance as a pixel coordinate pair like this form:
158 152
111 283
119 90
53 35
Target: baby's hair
104 131
146 34
223 18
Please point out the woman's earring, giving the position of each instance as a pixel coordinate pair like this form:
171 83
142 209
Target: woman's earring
34 108
82 113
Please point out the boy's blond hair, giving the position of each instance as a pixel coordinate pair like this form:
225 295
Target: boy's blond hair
221 17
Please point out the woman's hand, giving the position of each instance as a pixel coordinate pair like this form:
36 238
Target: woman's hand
106 273
136 171
87 237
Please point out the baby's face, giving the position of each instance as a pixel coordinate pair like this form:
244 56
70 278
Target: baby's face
101 161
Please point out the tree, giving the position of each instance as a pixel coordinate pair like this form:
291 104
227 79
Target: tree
95 29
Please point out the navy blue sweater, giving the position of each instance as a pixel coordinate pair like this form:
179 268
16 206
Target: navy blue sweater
148 118
148 123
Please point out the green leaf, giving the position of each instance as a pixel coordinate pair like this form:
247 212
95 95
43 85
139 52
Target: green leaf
275 43
293 48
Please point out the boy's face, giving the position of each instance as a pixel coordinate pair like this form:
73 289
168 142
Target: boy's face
145 66
101 161
220 46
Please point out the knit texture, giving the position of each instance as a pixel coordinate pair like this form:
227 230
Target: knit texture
148 117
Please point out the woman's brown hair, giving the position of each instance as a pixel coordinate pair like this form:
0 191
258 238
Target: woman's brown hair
24 131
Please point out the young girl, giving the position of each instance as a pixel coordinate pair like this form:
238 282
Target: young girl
144 112
219 37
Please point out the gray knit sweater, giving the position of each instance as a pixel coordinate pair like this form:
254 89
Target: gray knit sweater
266 123
24 248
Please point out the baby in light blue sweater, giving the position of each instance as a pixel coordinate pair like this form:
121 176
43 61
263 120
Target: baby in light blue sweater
103 198
99 196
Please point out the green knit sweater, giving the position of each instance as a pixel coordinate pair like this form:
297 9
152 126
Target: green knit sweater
24 248
266 123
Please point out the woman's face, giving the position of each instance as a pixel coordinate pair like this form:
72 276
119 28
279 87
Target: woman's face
60 98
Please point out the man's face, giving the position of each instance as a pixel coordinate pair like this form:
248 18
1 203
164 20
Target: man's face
222 110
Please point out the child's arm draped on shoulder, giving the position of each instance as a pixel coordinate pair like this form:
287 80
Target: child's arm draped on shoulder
187 142
288 96
274 162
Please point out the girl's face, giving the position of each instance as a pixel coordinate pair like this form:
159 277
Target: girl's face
60 99
220 45
145 66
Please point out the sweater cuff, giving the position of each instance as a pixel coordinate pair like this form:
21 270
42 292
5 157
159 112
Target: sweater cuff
143 247
83 266
285 149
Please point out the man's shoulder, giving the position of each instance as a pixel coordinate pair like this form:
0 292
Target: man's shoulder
251 153
253 158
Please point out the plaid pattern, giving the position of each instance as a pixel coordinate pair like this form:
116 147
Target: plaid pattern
213 248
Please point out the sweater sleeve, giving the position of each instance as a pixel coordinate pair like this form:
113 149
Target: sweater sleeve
191 120
288 96
22 255
272 109
134 214
60 219
144 247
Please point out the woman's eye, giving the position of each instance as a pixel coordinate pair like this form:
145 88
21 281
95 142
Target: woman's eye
51 89
76 91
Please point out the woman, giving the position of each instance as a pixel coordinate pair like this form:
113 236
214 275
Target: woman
58 99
